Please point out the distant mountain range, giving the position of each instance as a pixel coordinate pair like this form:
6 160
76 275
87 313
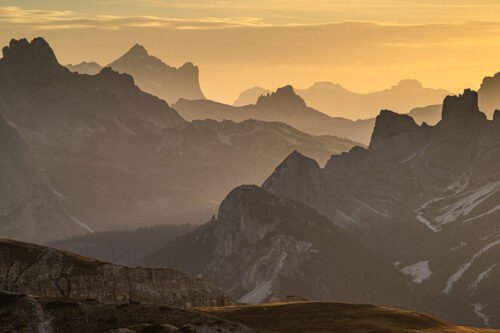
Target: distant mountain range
89 68
286 106
97 153
152 75
336 101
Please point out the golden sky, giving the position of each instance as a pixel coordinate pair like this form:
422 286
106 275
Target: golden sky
364 45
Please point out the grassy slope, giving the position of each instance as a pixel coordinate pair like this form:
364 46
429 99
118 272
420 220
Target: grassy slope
334 317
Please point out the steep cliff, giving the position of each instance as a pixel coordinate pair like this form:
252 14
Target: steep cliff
46 272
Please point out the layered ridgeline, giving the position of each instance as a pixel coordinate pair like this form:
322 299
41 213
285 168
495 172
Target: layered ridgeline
261 247
151 74
46 272
336 101
427 197
111 156
285 105
89 68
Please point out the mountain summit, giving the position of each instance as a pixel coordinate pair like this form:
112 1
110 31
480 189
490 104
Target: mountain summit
158 78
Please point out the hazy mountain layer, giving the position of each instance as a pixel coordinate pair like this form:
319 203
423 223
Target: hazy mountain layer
155 77
433 191
123 247
90 68
336 101
286 106
115 157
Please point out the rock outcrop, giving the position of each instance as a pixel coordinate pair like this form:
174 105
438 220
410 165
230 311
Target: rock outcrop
390 124
297 177
489 94
25 314
46 272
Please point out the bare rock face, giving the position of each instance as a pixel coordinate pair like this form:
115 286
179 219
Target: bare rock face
434 192
157 78
45 272
262 247
297 177
489 94
390 124
462 109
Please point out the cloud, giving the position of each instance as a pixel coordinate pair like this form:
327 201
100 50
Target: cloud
16 17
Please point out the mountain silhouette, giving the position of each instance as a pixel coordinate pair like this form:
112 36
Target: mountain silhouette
157 78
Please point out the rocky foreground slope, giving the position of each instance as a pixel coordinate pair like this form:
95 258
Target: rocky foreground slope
27 314
46 272
426 197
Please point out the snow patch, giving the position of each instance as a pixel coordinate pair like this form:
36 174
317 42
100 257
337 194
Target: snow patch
458 274
459 246
482 276
478 310
258 294
467 204
419 271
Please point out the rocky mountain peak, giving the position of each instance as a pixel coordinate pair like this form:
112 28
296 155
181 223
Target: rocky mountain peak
298 177
496 116
283 97
34 57
137 51
409 84
233 206
461 108
390 124
325 85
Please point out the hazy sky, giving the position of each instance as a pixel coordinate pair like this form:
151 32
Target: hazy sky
364 45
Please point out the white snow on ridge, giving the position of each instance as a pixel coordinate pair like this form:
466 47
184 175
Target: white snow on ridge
494 209
258 294
466 205
419 271
478 310
458 274
482 276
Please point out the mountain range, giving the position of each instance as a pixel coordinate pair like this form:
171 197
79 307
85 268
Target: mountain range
100 154
432 190
285 105
336 101
151 74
